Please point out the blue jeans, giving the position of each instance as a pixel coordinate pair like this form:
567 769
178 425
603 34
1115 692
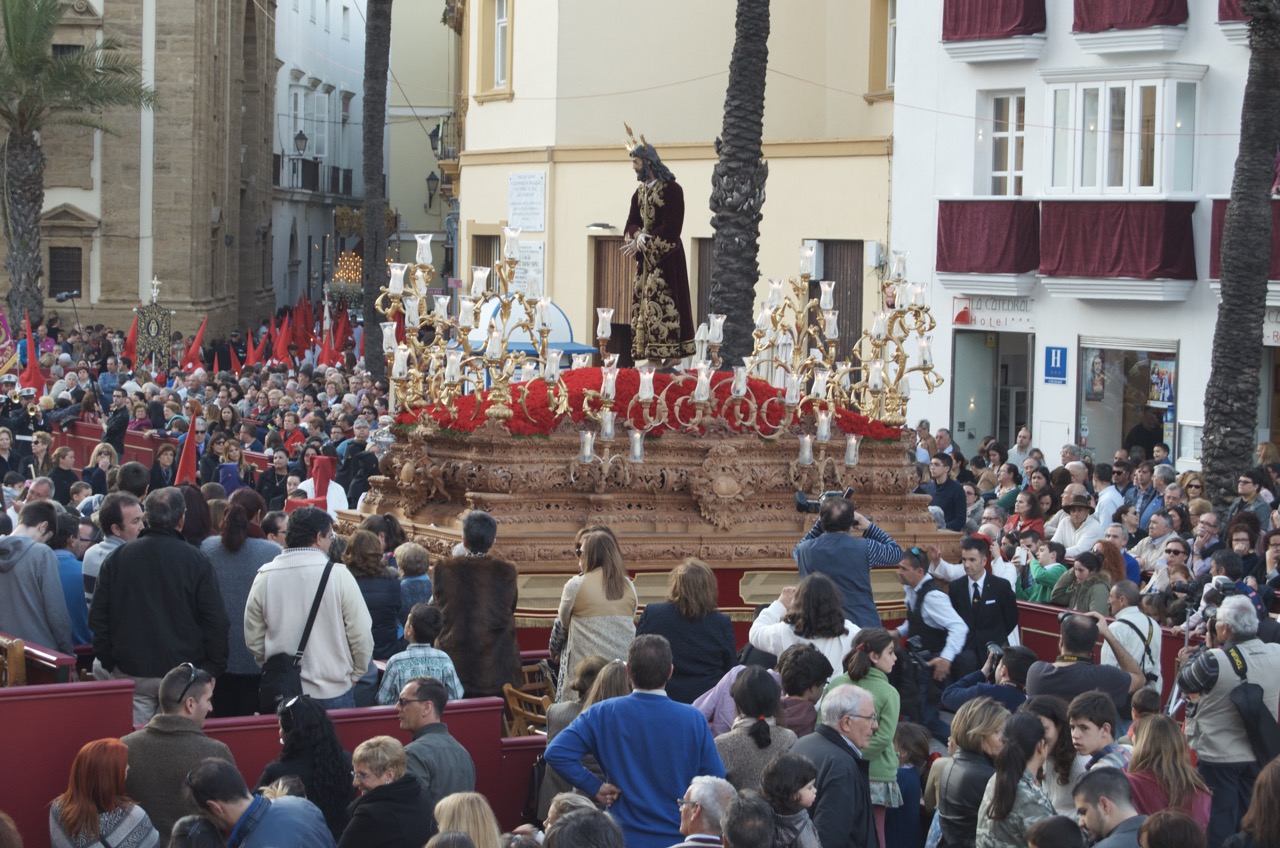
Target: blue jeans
347 700
1232 785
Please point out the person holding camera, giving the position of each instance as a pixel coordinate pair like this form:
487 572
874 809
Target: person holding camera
1138 633
1226 757
845 545
1003 677
1074 671
932 623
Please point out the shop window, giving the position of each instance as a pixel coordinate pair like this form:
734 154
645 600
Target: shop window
1128 396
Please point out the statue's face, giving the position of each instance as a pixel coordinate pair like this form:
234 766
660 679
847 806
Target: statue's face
641 168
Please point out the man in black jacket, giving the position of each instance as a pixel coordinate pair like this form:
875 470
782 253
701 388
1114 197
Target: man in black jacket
117 422
985 602
157 605
948 495
842 813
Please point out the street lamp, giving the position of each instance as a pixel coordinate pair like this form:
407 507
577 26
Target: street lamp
300 143
434 136
433 183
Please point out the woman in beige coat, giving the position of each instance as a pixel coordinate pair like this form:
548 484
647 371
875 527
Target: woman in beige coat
597 609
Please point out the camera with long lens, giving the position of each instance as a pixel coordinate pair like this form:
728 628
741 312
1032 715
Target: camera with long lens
917 651
1181 588
996 650
804 505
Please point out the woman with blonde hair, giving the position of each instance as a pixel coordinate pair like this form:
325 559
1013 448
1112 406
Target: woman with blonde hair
243 474
1161 773
101 461
597 609
63 474
393 810
38 463
962 780
1192 483
95 808
702 646
470 813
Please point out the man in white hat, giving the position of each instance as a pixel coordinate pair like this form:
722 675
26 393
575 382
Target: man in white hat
1081 530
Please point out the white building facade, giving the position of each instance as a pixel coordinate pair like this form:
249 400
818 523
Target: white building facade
1059 180
316 146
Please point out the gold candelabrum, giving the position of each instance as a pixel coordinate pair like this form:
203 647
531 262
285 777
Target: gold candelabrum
439 371
796 343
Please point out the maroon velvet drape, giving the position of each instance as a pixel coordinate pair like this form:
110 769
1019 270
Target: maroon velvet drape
1231 10
968 20
1101 15
988 236
1146 240
1215 240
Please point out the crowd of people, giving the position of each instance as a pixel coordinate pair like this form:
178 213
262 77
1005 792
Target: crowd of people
825 729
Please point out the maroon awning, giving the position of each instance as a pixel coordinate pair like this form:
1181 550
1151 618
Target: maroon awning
988 236
1215 240
1095 16
1231 10
968 20
1143 239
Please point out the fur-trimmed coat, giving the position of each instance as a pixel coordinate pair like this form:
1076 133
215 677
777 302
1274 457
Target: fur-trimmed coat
477 600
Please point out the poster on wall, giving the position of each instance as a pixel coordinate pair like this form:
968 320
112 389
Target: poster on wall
1162 376
1095 365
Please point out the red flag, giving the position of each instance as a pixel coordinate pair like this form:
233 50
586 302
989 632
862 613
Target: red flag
235 360
191 360
131 341
342 331
280 348
260 357
251 352
186 472
31 376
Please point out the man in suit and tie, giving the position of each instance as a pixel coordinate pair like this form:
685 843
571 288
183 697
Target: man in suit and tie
985 602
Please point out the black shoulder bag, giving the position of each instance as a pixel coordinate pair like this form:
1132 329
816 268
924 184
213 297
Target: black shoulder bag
282 673
1259 723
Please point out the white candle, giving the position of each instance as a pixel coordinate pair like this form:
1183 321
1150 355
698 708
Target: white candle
793 390
423 256
609 360
479 281
830 326
785 347
606 425
493 348
526 372
702 391
880 325
925 345
540 312
389 337
533 286
821 377
646 381
420 282
411 316
806 450
875 375
551 368
739 387
762 318
827 300
851 449
903 296
806 260
401 366
899 268
586 446
715 329
466 313
824 425
510 242
637 445
604 322
453 366
397 278
917 294
580 360
608 382
843 368
775 294
442 306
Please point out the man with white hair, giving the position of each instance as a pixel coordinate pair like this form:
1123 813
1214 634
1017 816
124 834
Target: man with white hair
701 810
1216 730
842 814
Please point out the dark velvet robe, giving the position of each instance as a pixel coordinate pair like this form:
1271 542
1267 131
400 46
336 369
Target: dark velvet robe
661 315
477 600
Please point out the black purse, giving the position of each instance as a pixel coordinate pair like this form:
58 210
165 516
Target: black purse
282 673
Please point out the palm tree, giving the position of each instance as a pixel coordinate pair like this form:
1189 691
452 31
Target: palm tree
377 59
737 183
1231 397
40 89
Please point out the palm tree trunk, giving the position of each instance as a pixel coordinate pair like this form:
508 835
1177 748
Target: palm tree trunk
21 204
737 183
377 57
1231 397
